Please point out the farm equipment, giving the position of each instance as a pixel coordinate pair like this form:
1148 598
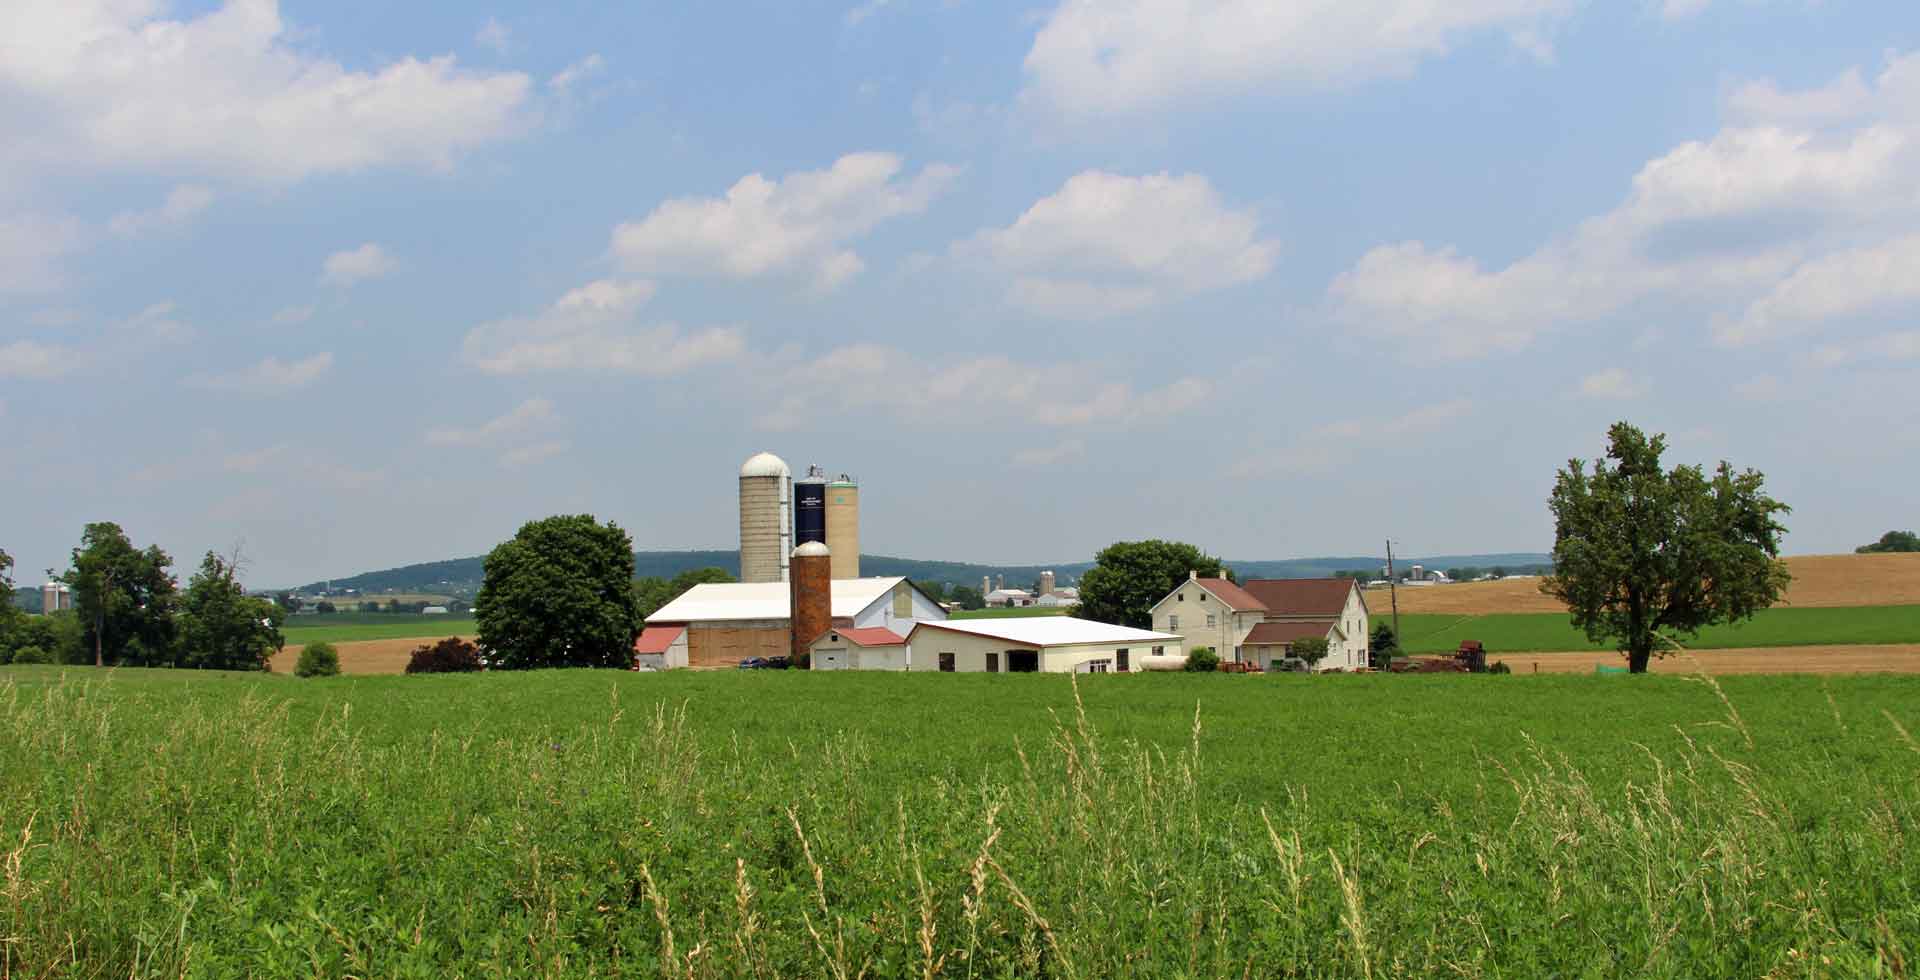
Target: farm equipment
1471 658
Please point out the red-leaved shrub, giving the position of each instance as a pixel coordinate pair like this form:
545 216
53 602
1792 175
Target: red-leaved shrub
452 655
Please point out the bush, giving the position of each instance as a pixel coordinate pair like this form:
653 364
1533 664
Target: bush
1311 649
318 660
1202 660
452 655
31 655
1499 667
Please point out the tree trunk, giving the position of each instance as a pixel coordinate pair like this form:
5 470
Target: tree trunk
1639 657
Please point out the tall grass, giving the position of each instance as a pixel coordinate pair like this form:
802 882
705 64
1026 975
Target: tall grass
582 823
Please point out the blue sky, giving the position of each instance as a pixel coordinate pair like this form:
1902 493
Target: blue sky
357 284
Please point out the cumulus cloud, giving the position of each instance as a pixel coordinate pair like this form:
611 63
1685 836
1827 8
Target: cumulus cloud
183 203
33 360
596 328
357 265
1103 57
868 377
532 415
158 322
571 75
268 377
1612 383
1773 217
799 224
1106 244
1037 457
494 36
531 454
113 84
291 315
31 247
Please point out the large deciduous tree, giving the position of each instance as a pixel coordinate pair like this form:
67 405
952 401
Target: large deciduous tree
221 627
560 594
1640 551
1128 577
11 616
125 597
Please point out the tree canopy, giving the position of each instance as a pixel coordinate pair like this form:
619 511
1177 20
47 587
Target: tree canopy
1892 541
125 597
1639 550
1128 577
560 594
220 626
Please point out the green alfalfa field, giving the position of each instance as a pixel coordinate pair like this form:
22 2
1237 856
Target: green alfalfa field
590 823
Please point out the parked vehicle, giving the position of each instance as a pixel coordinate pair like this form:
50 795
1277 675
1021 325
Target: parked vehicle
754 663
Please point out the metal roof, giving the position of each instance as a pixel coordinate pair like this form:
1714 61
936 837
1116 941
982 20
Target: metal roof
1048 631
764 464
870 636
656 639
766 600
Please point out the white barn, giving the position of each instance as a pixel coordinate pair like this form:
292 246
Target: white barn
721 624
1044 644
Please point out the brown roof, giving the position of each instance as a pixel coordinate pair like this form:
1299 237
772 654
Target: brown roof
1280 634
870 636
1301 596
1234 596
656 639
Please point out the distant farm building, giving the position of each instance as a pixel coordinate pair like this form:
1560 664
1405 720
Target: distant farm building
853 648
1043 644
723 624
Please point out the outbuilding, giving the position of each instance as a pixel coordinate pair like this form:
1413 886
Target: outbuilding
854 648
725 623
1043 644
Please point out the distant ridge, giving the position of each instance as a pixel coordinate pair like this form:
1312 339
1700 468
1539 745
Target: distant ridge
461 575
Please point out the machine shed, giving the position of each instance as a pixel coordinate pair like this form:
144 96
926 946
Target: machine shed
854 648
1045 644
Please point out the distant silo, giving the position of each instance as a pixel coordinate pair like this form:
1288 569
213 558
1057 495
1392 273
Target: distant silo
843 526
1046 583
811 596
766 529
810 507
50 597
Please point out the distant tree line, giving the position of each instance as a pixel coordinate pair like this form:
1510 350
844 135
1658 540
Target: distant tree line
128 610
1891 542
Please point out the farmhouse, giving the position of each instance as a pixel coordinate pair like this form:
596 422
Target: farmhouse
1257 621
1047 644
724 624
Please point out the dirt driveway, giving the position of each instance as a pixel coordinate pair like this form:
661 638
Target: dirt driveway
1861 659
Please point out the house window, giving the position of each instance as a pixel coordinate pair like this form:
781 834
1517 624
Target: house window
1173 622
1159 651
1210 620
1120 659
993 663
946 663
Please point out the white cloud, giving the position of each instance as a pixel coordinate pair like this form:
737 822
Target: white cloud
1106 244
1035 457
33 360
801 223
31 247
183 203
112 84
1612 383
357 265
1682 9
1716 224
158 323
536 453
269 377
1901 345
596 328
1096 57
857 14
871 377
1841 284
292 315
1332 445
1761 388
532 415
494 36
567 77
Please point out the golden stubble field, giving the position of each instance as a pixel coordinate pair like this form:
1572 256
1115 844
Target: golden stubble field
1818 580
364 656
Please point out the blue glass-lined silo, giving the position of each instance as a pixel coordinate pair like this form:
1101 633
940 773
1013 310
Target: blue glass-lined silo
810 507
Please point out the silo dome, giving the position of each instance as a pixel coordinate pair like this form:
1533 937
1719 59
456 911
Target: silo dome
812 549
764 464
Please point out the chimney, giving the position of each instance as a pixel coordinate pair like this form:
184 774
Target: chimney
810 588
1193 575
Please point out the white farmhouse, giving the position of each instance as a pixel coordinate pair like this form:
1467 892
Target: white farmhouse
1257 621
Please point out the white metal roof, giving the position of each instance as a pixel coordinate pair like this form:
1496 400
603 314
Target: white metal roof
1049 631
766 600
764 464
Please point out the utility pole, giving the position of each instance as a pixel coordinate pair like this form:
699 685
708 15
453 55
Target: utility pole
1393 591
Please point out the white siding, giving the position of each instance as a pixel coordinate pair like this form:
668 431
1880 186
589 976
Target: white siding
1184 611
880 612
970 652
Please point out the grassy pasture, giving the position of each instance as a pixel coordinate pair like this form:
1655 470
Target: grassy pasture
1018 612
1778 627
794 824
355 627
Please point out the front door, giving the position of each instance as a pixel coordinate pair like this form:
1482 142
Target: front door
1023 661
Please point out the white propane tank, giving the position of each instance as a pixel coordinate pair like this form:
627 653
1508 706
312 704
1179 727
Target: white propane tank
1163 662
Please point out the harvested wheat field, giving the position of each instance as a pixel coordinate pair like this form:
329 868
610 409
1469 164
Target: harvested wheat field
1818 581
1862 659
364 657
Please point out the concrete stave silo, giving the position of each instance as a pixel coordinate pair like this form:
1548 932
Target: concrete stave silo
766 528
843 526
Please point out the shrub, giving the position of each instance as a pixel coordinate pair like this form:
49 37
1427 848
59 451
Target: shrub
31 655
318 660
1311 649
452 655
1202 660
1499 667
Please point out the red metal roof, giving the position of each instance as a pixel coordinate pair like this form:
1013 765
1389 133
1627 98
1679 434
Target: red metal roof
1279 634
1236 598
1302 596
871 636
656 639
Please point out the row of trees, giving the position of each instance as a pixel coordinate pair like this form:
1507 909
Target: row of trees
1896 542
128 610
